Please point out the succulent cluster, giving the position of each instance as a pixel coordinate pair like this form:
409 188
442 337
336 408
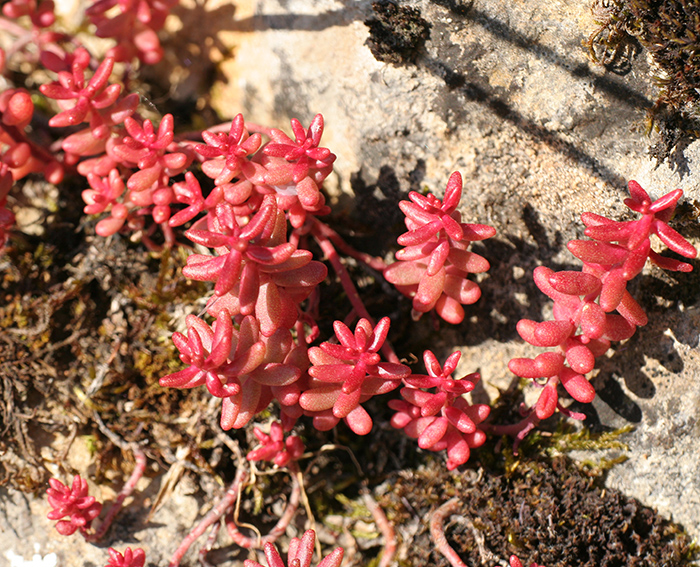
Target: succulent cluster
130 558
275 448
593 308
74 503
248 368
434 265
300 554
441 419
344 375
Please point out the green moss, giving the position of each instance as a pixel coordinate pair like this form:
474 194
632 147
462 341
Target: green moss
91 443
565 440
157 362
355 507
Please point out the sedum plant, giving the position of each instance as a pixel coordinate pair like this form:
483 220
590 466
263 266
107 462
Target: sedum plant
433 267
130 558
592 308
344 375
74 503
274 447
441 419
300 554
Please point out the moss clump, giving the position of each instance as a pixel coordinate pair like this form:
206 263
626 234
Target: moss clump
396 33
670 31
551 512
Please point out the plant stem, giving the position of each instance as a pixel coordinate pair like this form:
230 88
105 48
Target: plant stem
337 240
214 515
280 526
385 527
125 492
206 548
321 236
517 430
437 532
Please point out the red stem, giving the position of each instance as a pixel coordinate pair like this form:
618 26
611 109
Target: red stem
20 137
253 128
337 240
437 532
323 240
12 27
125 492
206 548
280 526
345 280
385 527
517 430
214 515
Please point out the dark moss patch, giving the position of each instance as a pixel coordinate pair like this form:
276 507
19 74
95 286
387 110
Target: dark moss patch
670 31
396 33
548 512
676 129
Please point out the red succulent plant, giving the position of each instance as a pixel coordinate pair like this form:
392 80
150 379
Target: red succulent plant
130 558
275 447
300 554
434 411
593 308
72 502
347 374
433 267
